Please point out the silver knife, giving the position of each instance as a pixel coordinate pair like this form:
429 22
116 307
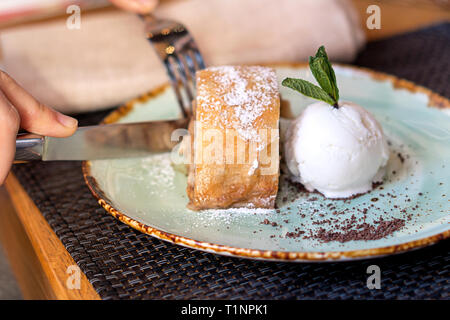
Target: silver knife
106 141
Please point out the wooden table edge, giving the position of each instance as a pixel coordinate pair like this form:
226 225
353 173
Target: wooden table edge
43 267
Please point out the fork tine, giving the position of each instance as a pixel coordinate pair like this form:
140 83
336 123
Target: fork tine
182 73
191 67
198 57
174 83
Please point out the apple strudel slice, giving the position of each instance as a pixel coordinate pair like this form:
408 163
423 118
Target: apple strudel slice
234 138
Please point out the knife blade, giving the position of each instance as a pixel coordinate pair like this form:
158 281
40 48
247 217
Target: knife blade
107 141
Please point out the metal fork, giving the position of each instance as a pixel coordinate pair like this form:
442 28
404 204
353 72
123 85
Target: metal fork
178 51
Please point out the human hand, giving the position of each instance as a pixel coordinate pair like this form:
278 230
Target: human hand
138 6
18 109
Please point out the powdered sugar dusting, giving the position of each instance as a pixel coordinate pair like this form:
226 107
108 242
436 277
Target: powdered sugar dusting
159 170
248 90
228 216
239 210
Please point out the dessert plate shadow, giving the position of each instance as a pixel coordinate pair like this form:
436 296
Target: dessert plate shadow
409 210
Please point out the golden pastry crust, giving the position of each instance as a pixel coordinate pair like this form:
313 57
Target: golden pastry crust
235 139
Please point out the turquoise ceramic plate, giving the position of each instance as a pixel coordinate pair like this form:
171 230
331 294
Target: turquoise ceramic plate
149 194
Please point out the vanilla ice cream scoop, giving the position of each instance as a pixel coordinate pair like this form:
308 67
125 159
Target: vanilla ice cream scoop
339 152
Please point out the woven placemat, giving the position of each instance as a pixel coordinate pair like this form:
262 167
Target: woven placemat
123 263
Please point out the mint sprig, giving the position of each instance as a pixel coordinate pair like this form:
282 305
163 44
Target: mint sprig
308 89
324 74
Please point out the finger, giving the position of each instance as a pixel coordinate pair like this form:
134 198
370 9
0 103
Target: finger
139 6
9 125
34 116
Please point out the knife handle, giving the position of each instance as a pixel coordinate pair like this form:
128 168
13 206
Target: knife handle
29 147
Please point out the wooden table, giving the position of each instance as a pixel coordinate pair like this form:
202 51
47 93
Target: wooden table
36 255
39 260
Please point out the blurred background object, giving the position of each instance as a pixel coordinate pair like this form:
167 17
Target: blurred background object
14 12
108 60
398 15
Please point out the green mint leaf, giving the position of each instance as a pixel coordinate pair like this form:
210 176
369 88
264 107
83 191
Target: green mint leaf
308 89
321 53
323 72
319 69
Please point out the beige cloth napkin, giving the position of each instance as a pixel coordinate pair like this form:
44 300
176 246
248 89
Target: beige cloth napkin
108 61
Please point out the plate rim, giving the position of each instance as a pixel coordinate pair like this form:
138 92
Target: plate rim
435 100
